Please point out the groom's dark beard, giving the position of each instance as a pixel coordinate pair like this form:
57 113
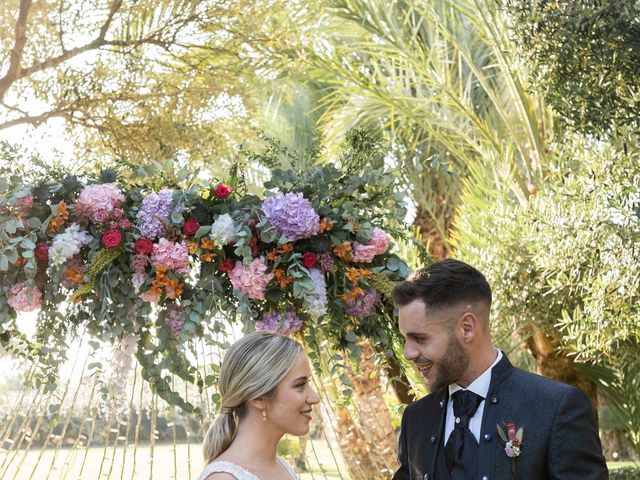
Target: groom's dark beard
451 366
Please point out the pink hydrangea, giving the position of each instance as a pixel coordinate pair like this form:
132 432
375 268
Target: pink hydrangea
378 245
173 256
96 202
24 299
252 279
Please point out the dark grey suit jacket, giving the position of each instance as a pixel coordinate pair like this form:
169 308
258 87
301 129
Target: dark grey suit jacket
560 440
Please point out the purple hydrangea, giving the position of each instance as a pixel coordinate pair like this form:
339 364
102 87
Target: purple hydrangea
364 305
274 322
291 214
174 318
154 213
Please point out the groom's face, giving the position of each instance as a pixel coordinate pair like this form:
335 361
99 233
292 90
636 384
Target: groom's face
431 343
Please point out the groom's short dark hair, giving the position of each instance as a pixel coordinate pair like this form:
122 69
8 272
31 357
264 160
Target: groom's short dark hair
443 284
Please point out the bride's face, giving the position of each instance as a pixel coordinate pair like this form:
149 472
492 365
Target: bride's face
290 409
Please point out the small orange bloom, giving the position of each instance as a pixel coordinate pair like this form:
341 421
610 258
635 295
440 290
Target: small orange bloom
207 243
192 247
272 256
281 278
61 218
325 225
208 257
74 273
286 248
343 250
21 262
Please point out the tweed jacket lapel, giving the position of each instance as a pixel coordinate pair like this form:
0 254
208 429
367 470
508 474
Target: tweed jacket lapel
435 433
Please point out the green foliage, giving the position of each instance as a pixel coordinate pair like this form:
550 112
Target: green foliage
440 79
586 58
569 261
624 473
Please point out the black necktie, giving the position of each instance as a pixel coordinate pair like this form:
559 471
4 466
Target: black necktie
462 448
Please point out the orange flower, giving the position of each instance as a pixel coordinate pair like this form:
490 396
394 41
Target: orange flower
343 250
354 274
286 248
74 273
208 257
352 294
281 278
272 256
192 246
207 243
325 225
21 262
61 218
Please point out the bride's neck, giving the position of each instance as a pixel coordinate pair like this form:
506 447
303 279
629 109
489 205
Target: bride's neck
257 441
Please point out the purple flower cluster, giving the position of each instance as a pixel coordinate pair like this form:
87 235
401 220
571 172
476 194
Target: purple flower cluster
174 318
154 213
364 305
274 322
292 215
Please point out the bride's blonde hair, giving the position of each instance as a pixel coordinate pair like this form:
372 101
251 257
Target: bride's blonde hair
253 367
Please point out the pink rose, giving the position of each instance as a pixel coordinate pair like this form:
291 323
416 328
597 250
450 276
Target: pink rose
117 213
124 224
100 216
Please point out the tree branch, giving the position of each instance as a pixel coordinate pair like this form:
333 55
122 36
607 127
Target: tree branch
18 48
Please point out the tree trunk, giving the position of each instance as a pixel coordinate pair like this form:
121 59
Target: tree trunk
367 438
431 236
552 363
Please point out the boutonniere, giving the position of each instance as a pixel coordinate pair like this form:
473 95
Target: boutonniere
511 441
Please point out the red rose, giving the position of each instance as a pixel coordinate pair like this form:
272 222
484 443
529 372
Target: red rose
223 191
226 266
190 226
143 246
309 260
111 238
42 252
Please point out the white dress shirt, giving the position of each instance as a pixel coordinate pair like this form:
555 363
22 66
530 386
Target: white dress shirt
479 386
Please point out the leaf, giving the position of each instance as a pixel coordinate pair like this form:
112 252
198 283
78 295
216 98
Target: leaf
176 217
501 433
11 227
519 433
4 263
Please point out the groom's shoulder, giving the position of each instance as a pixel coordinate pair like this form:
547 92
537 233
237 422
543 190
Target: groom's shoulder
533 383
427 403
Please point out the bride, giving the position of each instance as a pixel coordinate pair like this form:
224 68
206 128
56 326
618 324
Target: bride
266 392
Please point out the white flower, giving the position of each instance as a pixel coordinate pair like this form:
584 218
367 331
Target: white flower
223 230
317 302
65 245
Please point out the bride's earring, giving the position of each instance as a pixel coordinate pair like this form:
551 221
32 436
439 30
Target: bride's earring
264 415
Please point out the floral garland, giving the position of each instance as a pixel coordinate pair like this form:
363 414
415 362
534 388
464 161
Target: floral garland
313 256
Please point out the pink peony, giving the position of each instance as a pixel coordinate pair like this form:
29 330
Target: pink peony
24 299
173 256
252 279
98 198
378 245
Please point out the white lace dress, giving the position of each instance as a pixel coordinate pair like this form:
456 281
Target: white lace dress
237 471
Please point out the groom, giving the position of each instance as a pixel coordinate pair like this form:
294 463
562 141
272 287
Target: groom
485 419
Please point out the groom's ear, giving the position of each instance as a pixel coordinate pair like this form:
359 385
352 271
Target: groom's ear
469 325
